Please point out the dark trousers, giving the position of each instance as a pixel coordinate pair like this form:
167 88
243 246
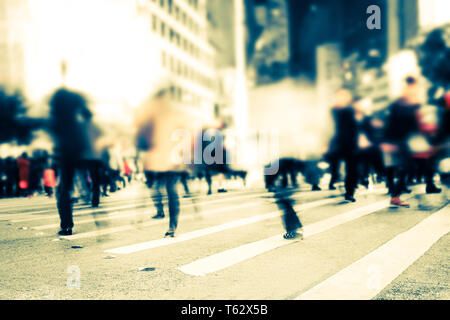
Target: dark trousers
396 180
425 168
284 201
67 169
63 199
48 191
370 160
94 169
351 171
158 180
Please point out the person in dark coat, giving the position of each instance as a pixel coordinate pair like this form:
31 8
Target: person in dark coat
68 112
344 143
369 155
401 124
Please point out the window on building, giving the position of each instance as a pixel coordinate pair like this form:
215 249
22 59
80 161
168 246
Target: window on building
184 18
177 13
170 6
162 3
171 35
171 64
163 29
178 67
154 23
163 59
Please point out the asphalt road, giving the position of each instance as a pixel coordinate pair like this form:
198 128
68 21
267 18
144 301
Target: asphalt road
231 247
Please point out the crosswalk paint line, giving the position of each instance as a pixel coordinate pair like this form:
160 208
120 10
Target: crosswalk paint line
155 222
365 278
126 214
207 231
140 204
239 254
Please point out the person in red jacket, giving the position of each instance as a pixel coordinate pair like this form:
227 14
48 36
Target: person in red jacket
23 164
49 179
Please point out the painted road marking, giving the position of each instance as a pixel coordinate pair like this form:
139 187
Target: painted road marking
210 230
155 222
236 255
365 278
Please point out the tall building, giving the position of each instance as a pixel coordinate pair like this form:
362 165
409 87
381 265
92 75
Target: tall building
186 54
13 18
221 36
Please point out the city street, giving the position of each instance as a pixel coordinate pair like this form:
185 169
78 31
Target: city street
229 246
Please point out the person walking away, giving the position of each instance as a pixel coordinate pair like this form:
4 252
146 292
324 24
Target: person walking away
68 111
369 156
23 164
49 179
401 125
344 143
157 120
92 159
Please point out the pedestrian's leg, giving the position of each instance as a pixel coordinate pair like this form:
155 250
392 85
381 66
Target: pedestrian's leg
430 171
334 170
174 203
184 177
351 177
94 172
208 180
64 201
157 182
290 219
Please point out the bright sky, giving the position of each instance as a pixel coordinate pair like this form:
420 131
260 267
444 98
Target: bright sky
102 42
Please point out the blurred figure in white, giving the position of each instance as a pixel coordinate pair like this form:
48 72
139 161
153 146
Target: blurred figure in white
157 120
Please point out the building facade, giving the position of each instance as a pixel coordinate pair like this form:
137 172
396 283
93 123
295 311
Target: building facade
185 53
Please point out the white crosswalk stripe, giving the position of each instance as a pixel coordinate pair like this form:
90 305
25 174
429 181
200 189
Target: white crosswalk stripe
389 261
233 256
241 209
203 232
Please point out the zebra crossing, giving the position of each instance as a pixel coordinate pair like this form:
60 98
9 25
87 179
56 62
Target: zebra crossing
251 219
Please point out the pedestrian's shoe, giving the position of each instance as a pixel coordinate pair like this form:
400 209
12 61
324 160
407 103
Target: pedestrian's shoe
350 198
65 232
395 201
222 190
293 235
433 189
332 187
316 188
158 216
170 233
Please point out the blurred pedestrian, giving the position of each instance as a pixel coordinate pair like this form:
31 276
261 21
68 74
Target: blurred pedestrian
23 164
68 111
284 201
157 121
369 155
343 145
49 178
401 125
